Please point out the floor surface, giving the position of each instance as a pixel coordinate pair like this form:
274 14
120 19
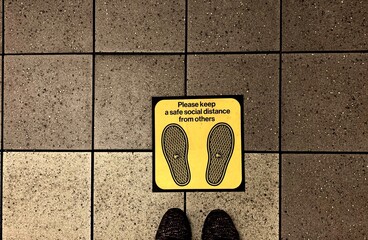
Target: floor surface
77 79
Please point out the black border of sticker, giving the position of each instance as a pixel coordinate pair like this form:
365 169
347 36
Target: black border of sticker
240 99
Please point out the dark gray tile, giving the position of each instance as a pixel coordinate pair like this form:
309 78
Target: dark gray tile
48 102
324 197
48 26
47 196
324 102
233 25
325 25
140 26
255 77
124 87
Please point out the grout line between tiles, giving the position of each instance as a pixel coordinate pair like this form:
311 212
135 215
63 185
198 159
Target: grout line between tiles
95 53
77 150
186 76
2 115
92 194
185 202
186 48
259 152
150 151
49 53
124 150
234 53
325 152
280 195
93 115
47 150
280 120
261 52
325 52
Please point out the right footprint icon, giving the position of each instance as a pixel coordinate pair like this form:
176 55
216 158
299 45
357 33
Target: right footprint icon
220 146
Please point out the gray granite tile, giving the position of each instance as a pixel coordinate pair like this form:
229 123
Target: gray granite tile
140 26
324 197
233 25
255 77
124 87
48 26
46 196
124 202
48 102
255 211
325 25
325 102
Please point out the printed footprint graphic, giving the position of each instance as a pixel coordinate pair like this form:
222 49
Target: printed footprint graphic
220 147
175 147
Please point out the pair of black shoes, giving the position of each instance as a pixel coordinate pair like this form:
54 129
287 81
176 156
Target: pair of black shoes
217 226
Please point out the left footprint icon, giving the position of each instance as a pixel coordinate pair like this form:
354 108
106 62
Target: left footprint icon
175 147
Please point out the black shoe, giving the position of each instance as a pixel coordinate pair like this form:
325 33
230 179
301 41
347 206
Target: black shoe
174 226
219 226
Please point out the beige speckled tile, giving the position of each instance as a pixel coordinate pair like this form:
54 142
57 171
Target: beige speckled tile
125 207
255 211
253 76
46 196
233 25
48 102
124 87
48 26
140 26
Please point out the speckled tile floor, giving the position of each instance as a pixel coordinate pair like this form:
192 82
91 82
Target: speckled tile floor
77 79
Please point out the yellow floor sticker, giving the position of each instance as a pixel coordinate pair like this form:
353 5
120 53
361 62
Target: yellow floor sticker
198 143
